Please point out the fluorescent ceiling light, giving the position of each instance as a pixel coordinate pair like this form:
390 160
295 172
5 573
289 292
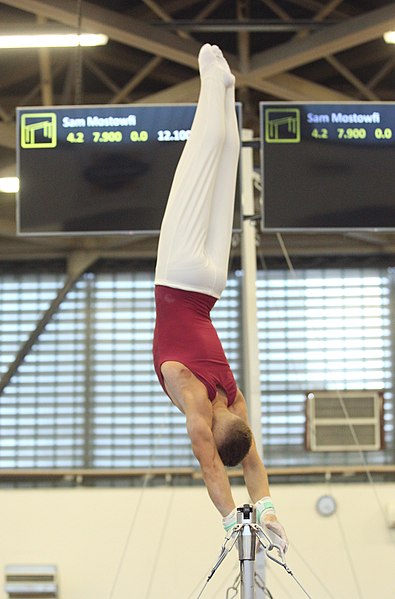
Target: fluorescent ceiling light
52 40
9 184
389 37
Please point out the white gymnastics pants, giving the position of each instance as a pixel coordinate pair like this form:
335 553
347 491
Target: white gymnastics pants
196 231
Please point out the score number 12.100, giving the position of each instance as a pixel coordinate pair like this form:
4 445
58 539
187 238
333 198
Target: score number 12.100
176 135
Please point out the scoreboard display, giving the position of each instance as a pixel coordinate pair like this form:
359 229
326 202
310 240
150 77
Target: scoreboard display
328 166
98 169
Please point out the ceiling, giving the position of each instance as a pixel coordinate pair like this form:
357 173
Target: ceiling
279 49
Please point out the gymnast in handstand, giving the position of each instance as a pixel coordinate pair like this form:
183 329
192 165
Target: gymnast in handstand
191 273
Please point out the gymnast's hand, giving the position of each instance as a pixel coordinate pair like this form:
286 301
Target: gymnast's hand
229 522
266 517
276 532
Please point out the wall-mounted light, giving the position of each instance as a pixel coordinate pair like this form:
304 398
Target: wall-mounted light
389 37
9 184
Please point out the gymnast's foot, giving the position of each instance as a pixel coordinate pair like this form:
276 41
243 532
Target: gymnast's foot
212 60
223 63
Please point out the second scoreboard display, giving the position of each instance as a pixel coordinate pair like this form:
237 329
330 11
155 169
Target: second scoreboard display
328 166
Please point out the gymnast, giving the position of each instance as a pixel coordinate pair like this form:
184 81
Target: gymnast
191 273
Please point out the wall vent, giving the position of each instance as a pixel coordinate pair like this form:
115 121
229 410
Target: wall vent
31 582
344 420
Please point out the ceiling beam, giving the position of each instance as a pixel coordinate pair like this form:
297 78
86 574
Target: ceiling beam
387 67
131 62
284 86
290 87
355 59
7 135
187 91
7 228
367 93
335 38
138 34
12 76
45 76
119 27
142 12
151 65
314 6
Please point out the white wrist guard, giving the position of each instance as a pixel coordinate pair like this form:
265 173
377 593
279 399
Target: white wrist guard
230 521
264 507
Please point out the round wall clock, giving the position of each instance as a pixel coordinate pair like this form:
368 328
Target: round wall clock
326 505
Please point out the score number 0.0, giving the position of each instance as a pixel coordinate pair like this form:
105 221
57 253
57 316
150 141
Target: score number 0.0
134 136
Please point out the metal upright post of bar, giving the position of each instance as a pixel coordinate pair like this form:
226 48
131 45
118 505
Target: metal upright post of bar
246 543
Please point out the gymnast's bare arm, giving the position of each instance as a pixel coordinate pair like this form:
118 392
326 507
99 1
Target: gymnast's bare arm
254 471
190 396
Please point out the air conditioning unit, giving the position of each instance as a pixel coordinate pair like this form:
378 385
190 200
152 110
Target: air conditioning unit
344 420
31 581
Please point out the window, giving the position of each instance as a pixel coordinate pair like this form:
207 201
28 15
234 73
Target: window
320 329
87 395
42 410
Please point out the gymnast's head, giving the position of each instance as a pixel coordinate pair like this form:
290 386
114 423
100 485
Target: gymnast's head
233 437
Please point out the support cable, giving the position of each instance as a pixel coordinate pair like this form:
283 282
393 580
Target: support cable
310 569
361 453
133 522
286 254
166 519
349 557
128 537
348 420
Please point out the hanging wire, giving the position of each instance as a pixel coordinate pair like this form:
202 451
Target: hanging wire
343 535
349 556
192 595
260 584
356 442
310 569
78 58
361 453
275 575
133 522
358 448
147 478
166 520
128 537
286 254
